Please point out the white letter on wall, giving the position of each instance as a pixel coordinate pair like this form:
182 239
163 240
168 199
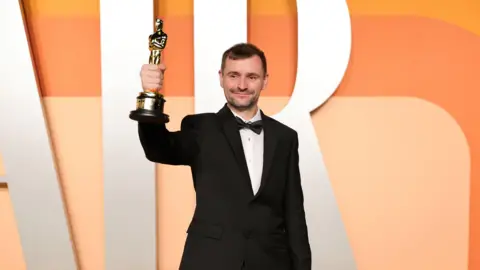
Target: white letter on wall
324 42
27 155
129 178
218 24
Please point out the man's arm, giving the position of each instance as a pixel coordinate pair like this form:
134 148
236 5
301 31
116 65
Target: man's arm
173 148
296 226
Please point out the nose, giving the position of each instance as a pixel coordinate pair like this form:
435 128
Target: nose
242 85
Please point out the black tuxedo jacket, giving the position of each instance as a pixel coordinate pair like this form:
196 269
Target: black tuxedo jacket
231 227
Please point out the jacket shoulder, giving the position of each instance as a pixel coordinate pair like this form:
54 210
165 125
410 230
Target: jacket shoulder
284 129
197 120
199 117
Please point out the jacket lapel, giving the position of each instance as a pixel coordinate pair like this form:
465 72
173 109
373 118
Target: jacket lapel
232 134
230 130
269 146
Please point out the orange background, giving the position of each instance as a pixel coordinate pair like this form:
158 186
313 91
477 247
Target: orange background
400 137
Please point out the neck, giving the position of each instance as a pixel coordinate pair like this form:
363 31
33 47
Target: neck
246 114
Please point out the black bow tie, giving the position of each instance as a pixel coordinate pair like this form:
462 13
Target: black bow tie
255 126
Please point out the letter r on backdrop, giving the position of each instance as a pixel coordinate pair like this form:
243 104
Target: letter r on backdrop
324 43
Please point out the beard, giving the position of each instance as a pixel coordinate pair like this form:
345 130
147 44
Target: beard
242 104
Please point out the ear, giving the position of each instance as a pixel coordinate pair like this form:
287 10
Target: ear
265 81
220 77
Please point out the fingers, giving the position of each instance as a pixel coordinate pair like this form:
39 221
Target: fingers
152 67
162 68
152 76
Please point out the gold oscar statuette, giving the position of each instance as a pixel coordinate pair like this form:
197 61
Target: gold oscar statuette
150 103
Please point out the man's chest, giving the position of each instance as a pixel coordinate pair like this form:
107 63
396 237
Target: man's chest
252 145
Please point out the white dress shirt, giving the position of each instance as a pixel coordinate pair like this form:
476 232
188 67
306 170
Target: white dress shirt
253 149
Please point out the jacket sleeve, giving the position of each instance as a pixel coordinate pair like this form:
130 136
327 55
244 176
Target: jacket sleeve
296 226
173 148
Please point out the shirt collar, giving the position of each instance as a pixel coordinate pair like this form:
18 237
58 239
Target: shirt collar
258 116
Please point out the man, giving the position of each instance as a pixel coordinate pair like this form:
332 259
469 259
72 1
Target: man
249 201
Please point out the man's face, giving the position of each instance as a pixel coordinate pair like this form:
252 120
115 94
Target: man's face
242 81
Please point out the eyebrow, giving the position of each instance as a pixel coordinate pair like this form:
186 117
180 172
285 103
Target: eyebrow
248 74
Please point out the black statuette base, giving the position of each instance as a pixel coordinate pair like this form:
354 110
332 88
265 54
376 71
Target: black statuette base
148 116
150 109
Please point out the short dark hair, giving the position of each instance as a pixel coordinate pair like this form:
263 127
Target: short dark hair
243 51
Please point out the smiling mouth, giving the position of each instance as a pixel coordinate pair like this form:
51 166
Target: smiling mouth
242 96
